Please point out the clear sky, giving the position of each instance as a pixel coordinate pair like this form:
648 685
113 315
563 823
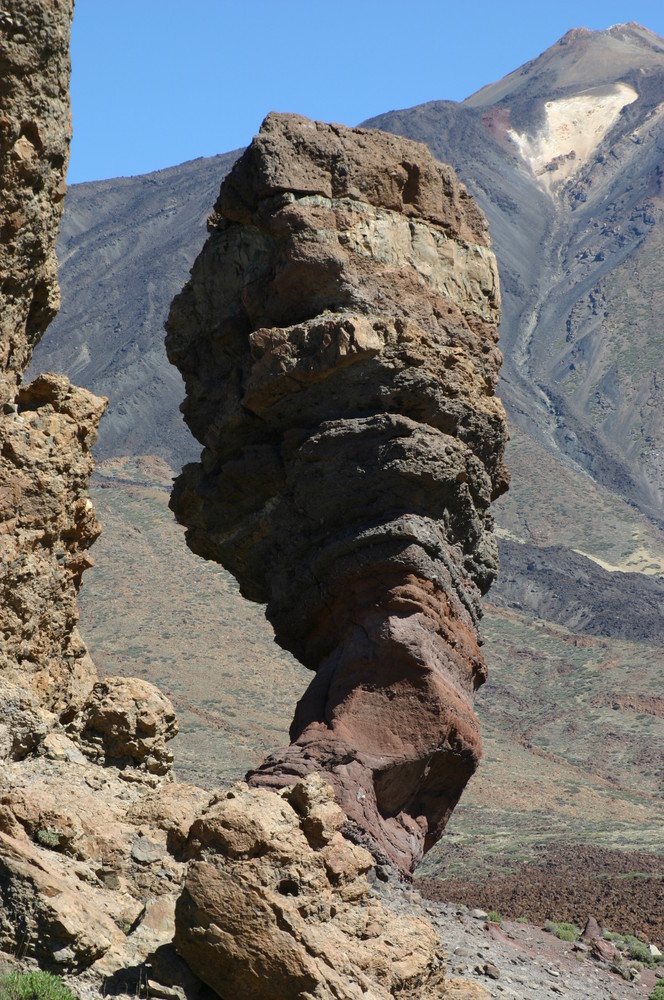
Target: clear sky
158 82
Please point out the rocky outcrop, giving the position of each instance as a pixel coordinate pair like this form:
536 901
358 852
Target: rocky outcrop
338 343
94 838
89 829
35 130
47 429
276 904
46 527
87 859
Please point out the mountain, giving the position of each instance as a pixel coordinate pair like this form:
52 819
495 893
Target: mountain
564 155
125 249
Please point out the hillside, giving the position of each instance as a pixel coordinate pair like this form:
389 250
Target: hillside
125 248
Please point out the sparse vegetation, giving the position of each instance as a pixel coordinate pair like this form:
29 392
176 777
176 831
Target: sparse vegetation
48 837
36 985
658 992
494 917
638 950
632 947
562 930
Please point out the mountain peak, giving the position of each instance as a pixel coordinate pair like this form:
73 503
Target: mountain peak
633 31
581 59
630 33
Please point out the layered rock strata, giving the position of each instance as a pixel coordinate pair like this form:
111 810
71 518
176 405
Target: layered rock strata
338 340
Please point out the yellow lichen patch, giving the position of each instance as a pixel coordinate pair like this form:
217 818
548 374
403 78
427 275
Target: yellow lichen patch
639 560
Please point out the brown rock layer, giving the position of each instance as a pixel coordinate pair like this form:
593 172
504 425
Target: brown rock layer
87 866
276 904
35 130
338 342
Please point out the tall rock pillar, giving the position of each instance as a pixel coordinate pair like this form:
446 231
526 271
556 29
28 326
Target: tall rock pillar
338 340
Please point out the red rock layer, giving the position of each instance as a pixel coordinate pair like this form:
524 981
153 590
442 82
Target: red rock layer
338 342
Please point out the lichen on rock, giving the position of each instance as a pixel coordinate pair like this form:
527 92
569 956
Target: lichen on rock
338 341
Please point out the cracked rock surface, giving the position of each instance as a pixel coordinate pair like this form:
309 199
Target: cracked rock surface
90 820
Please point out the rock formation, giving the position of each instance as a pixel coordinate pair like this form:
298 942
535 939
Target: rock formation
338 343
35 131
281 906
46 520
95 838
87 866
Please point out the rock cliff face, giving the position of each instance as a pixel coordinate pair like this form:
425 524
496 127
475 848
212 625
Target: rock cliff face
87 870
46 430
338 342
34 150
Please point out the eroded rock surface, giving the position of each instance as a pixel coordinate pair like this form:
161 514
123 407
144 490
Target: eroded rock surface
46 527
338 339
35 130
276 904
89 825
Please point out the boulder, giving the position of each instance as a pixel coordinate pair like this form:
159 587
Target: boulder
276 904
129 721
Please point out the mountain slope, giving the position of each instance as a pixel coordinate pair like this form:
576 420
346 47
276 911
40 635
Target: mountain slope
125 249
564 156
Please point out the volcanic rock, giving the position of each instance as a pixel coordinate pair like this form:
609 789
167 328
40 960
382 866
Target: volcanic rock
129 720
47 429
592 930
46 526
35 130
338 343
71 889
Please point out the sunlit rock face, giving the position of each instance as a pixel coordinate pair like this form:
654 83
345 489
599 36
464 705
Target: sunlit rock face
276 904
338 340
82 761
35 130
46 429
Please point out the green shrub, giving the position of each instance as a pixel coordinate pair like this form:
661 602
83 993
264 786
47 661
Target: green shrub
562 930
33 986
658 992
638 950
494 917
48 837
567 932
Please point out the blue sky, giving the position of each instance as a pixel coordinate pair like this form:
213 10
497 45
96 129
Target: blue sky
158 82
